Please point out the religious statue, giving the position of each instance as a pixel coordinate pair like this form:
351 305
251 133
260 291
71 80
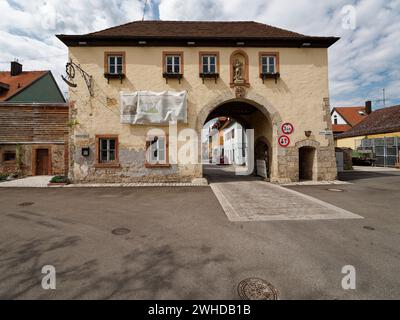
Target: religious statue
238 68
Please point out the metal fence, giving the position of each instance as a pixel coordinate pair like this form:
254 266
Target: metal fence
386 150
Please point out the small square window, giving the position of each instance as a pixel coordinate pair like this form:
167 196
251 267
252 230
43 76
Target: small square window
9 156
173 64
107 151
157 150
268 64
209 62
115 64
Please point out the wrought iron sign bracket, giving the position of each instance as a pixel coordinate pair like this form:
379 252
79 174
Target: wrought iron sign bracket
71 73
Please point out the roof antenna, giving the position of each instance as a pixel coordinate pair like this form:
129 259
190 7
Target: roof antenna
144 9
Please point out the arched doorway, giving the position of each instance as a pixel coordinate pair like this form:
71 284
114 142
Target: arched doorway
307 162
262 158
253 119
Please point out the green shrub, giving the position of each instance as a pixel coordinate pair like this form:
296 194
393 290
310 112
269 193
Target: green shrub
3 176
59 179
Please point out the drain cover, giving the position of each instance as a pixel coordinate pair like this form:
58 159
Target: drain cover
121 231
257 289
26 204
335 190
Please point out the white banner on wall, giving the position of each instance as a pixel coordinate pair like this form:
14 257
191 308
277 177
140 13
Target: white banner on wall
147 107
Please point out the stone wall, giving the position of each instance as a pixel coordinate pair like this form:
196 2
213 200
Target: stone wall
23 166
324 164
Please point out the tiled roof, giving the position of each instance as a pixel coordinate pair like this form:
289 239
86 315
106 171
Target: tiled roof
339 128
196 30
18 83
385 120
352 114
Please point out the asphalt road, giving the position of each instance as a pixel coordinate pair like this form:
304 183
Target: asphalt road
182 246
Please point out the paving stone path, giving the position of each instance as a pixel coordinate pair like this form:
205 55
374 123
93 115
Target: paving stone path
250 199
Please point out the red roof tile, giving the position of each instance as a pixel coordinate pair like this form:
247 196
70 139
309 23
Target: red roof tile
18 83
380 121
339 128
352 115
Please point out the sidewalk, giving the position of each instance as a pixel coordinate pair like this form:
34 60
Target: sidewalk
30 182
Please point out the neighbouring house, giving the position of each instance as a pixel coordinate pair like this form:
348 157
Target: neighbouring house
234 143
379 132
227 142
344 118
128 82
216 141
33 123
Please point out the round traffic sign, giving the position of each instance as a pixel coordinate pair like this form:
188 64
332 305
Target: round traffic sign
287 128
284 141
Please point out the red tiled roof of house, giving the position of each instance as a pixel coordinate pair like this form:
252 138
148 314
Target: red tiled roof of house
352 115
339 128
18 83
385 120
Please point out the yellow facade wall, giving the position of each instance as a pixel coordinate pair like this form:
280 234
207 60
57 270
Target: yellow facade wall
354 142
298 96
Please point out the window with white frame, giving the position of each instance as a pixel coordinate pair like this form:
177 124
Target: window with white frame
115 64
209 63
157 150
173 64
268 64
108 150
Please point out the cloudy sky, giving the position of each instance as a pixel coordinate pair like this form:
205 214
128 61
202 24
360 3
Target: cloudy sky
362 63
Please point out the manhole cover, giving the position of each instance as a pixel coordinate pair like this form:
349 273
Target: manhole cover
335 190
257 289
121 231
26 204
369 228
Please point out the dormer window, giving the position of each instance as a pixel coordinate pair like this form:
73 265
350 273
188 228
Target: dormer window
335 119
269 65
173 65
114 65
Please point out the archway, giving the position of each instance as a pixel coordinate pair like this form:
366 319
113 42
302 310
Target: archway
307 160
262 158
250 115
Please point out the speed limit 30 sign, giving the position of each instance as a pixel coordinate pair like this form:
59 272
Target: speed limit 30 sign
284 141
287 128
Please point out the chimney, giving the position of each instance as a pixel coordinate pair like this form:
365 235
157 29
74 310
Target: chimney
368 107
16 68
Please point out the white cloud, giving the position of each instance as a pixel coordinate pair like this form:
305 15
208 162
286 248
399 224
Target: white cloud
363 62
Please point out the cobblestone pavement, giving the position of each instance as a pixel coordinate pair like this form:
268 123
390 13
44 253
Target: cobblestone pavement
30 182
250 199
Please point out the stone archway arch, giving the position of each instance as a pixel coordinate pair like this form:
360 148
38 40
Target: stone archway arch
308 143
256 100
260 103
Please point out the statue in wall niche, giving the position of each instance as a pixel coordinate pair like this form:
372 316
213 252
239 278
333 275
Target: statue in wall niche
238 72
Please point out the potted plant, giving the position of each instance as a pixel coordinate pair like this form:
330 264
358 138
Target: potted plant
59 181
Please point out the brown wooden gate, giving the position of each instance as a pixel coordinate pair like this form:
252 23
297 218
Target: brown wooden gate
42 162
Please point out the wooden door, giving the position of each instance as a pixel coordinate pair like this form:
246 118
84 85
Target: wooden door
42 162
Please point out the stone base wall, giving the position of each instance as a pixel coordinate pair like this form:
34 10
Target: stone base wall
23 166
131 169
288 163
